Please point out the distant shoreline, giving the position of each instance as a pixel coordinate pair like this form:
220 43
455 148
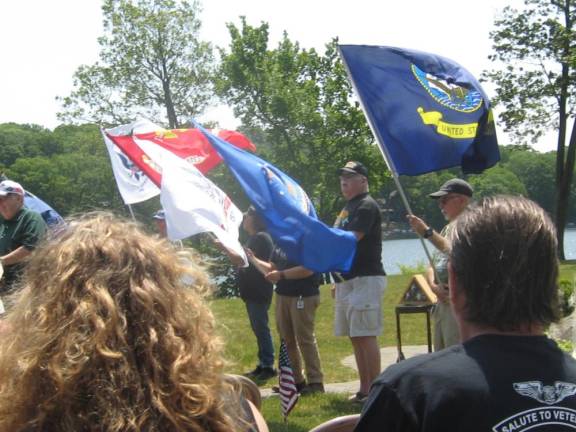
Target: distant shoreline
407 234
398 235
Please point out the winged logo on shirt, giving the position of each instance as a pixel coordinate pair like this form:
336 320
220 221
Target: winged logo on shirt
546 394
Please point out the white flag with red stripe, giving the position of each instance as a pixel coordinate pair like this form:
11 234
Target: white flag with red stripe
136 148
133 183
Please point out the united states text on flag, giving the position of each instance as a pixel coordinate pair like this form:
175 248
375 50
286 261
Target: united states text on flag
426 111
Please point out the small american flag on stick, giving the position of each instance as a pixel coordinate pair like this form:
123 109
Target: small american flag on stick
286 383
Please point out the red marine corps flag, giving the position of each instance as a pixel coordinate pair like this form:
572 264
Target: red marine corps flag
193 204
135 148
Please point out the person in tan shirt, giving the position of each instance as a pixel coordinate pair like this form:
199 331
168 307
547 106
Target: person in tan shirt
453 198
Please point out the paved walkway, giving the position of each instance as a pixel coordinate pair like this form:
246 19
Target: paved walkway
389 355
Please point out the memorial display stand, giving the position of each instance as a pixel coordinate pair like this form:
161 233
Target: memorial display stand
417 298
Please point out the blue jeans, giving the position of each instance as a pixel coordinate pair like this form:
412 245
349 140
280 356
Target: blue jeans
258 314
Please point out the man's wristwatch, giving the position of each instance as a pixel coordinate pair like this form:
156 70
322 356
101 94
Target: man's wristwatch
428 233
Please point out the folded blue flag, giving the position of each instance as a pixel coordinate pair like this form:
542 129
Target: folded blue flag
50 216
287 211
428 112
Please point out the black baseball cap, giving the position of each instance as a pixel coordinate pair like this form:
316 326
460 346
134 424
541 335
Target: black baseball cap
353 167
456 186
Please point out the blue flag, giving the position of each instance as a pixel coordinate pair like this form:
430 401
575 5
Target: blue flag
50 216
287 211
428 112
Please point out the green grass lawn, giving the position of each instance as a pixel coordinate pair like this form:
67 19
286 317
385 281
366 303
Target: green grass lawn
240 351
234 327
309 412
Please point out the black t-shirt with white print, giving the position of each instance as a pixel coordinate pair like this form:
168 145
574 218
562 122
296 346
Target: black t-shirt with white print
491 383
362 214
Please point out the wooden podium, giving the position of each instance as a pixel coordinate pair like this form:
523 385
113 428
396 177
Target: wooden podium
417 298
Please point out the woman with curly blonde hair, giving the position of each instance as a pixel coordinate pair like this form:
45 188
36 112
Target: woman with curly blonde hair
104 336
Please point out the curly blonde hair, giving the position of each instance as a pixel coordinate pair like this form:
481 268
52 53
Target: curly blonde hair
105 336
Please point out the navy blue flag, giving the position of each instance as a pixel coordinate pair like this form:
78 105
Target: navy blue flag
287 211
428 112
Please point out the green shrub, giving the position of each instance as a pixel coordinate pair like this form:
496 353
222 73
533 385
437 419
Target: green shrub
565 345
420 267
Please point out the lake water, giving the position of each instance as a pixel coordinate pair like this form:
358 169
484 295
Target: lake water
410 251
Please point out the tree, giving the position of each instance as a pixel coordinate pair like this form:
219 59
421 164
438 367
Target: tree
537 85
70 182
296 106
151 61
536 172
17 141
69 168
497 180
417 190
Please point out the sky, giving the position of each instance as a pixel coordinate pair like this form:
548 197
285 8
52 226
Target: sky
43 42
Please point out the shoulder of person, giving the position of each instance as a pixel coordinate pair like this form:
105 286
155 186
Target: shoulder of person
257 239
278 254
28 214
448 230
368 201
262 236
423 366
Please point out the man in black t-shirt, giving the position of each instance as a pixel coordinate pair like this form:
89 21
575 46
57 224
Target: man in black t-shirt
297 299
358 293
506 375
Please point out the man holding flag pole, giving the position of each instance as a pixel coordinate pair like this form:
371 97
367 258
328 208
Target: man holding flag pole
453 199
426 112
358 293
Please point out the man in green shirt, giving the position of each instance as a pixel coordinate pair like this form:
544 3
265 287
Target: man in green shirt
20 231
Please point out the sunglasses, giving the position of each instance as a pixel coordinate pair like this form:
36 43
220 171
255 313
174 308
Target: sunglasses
445 199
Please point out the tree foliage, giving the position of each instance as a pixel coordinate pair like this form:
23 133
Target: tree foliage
537 82
536 172
497 181
68 168
17 141
151 64
296 105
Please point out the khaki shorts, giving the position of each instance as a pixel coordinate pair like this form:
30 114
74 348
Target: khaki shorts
359 306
